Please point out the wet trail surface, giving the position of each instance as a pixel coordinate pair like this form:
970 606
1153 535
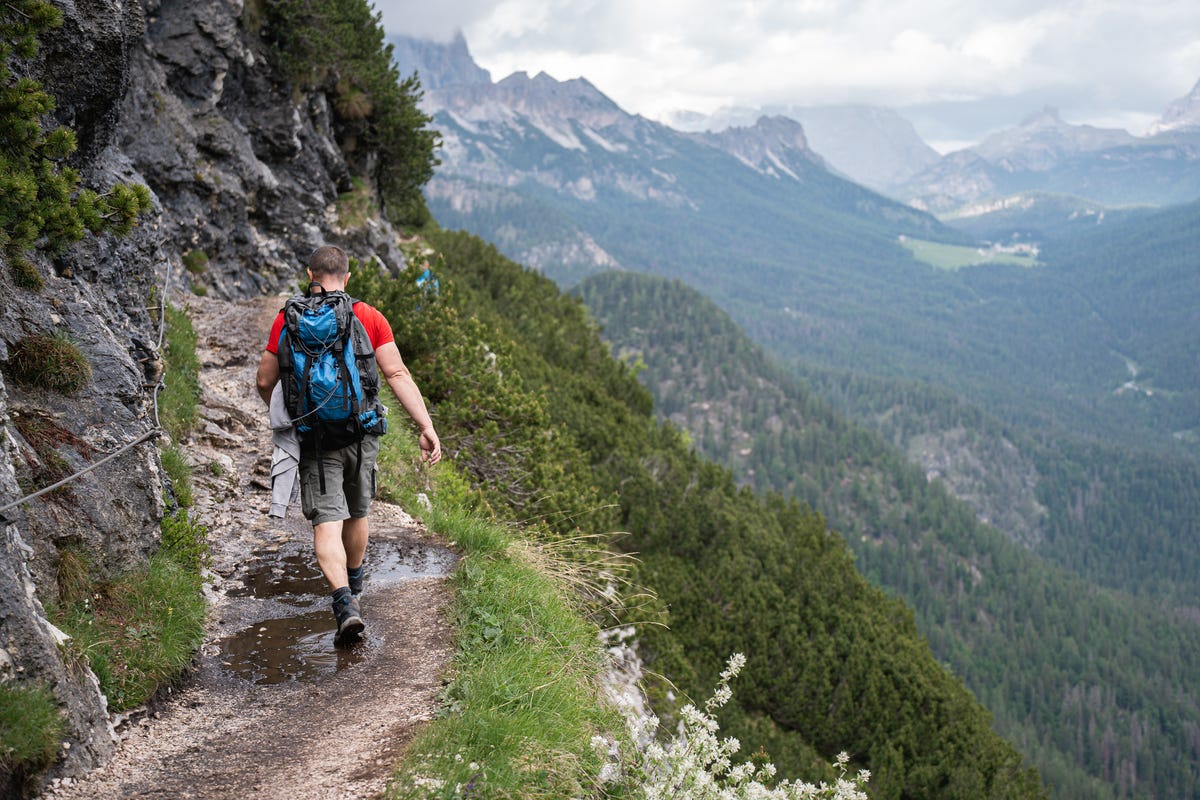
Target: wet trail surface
273 709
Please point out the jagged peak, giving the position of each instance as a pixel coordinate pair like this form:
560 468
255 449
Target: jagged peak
439 64
1182 114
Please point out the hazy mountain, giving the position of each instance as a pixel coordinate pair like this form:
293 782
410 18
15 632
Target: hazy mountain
1043 140
1181 115
1046 154
1034 217
874 146
439 64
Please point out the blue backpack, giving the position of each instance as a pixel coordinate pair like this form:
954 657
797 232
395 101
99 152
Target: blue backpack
328 373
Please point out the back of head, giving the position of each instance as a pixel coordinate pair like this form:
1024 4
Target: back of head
329 261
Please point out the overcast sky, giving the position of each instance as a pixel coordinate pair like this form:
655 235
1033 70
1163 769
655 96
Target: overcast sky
958 69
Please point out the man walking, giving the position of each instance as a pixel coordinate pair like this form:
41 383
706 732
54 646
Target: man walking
337 483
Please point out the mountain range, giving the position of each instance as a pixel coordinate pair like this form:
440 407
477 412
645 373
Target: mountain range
811 264
1103 167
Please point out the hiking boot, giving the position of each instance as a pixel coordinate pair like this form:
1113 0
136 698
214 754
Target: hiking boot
356 583
349 621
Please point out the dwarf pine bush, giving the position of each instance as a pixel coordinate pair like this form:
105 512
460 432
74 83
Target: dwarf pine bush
698 765
41 200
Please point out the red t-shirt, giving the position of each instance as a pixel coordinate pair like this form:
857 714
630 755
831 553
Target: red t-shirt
378 329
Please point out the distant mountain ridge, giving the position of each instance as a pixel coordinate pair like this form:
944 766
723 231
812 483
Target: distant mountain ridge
874 146
550 170
1046 154
773 146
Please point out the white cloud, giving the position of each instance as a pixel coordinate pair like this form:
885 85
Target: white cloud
1097 59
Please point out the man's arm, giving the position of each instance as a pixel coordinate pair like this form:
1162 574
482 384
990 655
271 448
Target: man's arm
391 367
268 375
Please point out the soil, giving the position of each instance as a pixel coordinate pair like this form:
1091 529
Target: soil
272 708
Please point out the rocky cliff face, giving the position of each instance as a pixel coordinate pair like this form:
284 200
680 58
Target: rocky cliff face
179 96
774 146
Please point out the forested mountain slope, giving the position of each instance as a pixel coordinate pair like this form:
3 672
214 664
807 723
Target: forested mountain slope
1123 518
547 423
1093 685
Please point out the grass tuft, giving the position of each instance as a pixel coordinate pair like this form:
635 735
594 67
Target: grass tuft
30 729
179 472
26 276
195 261
49 361
178 401
73 576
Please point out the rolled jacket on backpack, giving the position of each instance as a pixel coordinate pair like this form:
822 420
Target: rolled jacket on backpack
285 460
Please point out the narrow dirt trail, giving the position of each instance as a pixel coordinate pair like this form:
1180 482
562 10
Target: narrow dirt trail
273 710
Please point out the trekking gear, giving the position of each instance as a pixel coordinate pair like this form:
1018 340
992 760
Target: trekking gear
328 373
350 624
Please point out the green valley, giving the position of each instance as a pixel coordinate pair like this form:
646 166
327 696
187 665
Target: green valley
1074 674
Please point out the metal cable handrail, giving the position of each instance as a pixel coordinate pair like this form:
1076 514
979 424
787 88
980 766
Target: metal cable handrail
153 433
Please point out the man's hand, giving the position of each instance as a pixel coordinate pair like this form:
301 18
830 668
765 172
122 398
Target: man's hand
431 448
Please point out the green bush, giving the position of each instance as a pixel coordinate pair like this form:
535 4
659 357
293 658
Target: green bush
49 362
41 201
195 261
30 729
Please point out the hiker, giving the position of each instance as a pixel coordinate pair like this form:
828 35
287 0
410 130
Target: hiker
337 460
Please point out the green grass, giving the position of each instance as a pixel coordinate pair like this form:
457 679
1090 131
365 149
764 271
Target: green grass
523 702
953 257
179 472
141 630
177 403
30 729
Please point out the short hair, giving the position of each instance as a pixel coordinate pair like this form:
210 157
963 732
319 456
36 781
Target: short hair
329 260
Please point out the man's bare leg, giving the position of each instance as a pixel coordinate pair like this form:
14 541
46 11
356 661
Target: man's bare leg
354 541
331 553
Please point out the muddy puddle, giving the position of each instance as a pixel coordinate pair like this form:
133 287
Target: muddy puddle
295 641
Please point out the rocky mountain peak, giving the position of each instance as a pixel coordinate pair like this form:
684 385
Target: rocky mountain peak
438 64
574 99
774 145
1182 114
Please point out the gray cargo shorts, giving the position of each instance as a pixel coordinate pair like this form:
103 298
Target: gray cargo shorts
348 491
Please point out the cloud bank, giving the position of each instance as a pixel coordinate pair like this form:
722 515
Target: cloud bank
953 64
